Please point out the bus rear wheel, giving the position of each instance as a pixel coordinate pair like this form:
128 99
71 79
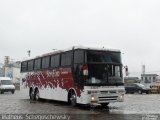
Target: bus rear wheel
36 95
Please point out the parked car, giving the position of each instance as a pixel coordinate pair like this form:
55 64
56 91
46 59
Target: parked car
155 88
137 88
6 85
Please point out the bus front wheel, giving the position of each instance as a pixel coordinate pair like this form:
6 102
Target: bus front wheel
72 99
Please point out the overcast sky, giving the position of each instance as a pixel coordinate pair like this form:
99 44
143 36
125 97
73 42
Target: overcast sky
132 26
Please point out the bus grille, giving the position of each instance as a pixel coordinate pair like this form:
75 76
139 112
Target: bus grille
106 92
107 98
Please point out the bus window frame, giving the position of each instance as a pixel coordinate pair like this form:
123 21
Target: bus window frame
42 62
65 53
35 64
32 65
108 52
26 67
83 56
54 60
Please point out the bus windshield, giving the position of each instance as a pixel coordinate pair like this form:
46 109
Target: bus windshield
104 68
103 57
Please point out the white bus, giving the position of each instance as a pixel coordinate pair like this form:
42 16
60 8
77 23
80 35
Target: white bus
79 75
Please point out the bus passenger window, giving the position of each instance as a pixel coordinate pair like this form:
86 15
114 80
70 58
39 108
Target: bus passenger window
66 59
30 65
78 56
45 62
63 59
24 67
55 60
37 64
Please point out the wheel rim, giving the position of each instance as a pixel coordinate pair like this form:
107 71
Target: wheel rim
73 99
37 95
139 92
32 95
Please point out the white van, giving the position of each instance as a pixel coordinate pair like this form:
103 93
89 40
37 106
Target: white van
6 85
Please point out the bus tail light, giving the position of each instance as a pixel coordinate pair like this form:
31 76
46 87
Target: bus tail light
85 70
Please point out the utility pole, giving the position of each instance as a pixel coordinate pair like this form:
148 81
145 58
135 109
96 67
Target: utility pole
126 70
29 53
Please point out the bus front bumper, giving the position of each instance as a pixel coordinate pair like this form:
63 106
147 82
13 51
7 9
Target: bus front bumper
102 99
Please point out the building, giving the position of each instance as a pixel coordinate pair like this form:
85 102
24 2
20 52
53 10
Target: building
131 80
149 79
1 72
12 70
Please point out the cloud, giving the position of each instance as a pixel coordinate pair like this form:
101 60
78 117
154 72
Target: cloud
40 26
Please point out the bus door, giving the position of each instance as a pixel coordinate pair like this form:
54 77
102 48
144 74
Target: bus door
78 67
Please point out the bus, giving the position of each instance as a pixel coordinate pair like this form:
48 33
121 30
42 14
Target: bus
79 75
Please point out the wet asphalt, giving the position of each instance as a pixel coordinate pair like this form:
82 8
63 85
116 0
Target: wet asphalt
135 107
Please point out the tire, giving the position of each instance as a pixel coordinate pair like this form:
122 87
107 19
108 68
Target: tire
148 92
36 95
12 92
31 95
1 92
72 99
104 105
140 92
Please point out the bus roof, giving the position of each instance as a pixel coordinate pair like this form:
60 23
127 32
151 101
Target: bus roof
74 47
95 48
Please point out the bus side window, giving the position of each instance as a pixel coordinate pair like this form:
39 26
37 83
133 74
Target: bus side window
24 66
45 62
78 56
66 59
63 59
78 64
37 64
30 65
55 60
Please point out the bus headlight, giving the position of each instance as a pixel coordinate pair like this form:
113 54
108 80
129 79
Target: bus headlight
121 97
93 98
